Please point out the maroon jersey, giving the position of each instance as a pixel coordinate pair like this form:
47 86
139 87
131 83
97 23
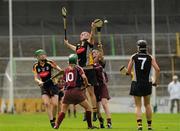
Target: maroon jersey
100 74
73 77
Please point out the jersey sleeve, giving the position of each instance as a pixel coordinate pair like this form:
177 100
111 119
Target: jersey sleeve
80 70
53 63
34 69
98 67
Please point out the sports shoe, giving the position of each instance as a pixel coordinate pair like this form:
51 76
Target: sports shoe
94 116
84 119
109 125
140 128
102 123
56 127
52 122
150 129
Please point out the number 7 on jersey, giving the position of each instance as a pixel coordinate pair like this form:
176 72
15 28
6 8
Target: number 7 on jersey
143 62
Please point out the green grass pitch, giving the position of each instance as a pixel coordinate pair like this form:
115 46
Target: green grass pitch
121 122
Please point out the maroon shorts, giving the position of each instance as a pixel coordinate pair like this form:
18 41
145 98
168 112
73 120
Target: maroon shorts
101 92
73 96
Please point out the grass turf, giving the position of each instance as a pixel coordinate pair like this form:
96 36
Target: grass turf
121 122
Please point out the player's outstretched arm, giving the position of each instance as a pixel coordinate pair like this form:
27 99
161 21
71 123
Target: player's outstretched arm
55 66
86 83
72 47
157 69
91 38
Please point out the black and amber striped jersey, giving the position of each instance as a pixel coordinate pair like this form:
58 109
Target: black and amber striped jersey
44 71
83 51
141 68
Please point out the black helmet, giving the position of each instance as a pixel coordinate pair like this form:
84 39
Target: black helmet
142 45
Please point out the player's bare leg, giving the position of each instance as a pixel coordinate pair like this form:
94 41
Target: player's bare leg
148 111
105 105
138 111
48 106
54 102
100 118
87 107
93 101
88 99
61 115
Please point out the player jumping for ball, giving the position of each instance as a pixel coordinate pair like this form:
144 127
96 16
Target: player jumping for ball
42 73
84 51
75 79
140 67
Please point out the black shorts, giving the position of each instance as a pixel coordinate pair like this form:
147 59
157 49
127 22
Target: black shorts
91 76
60 95
141 89
49 89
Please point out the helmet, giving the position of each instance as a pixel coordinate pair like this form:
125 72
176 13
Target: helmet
84 36
39 52
142 44
73 59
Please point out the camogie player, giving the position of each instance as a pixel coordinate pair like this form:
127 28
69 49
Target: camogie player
140 67
84 51
101 90
75 79
42 73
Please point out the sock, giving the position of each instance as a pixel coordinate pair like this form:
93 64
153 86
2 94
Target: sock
60 118
74 113
108 120
94 116
88 117
84 119
54 119
100 119
69 113
52 122
149 123
139 122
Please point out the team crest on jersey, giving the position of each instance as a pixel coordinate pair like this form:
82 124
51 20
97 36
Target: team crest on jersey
78 45
47 68
38 70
